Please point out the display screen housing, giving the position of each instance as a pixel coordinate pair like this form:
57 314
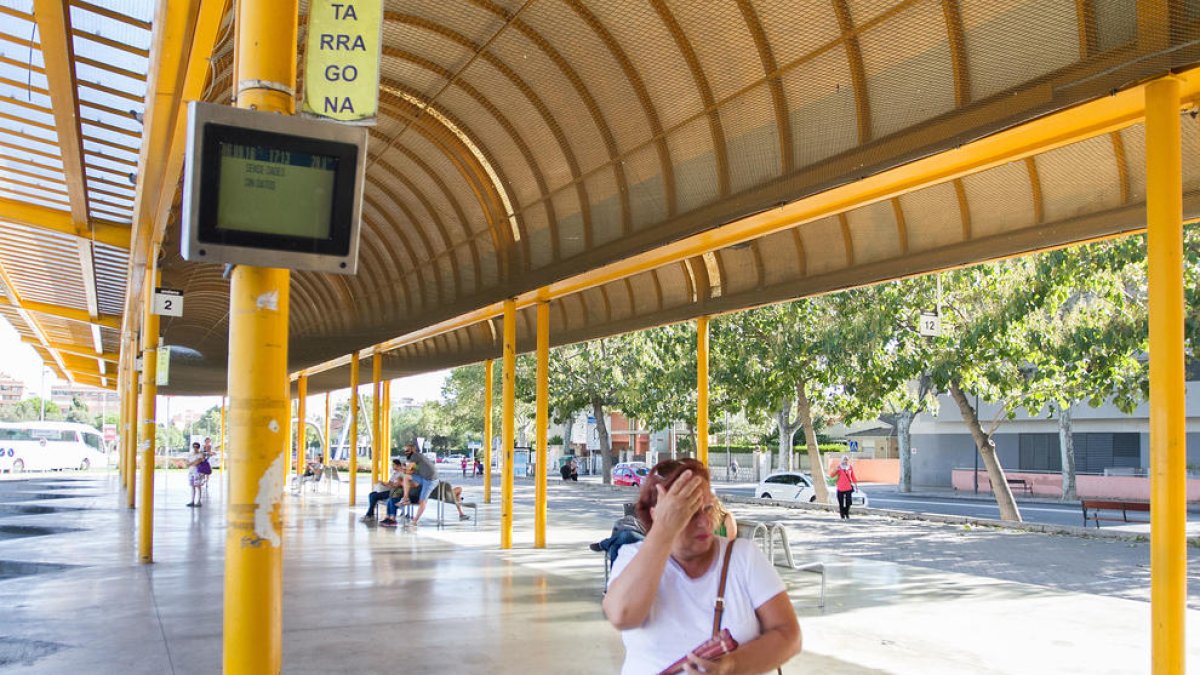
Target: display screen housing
271 190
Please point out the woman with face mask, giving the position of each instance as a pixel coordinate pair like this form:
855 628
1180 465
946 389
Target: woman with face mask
847 483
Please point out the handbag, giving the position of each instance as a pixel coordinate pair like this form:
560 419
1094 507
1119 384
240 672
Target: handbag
719 604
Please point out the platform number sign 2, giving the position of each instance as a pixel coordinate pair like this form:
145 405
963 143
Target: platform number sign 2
168 302
930 325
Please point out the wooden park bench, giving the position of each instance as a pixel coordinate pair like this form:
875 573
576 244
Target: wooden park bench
1022 483
1092 509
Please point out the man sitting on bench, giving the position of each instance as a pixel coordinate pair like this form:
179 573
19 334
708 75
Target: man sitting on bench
396 480
423 473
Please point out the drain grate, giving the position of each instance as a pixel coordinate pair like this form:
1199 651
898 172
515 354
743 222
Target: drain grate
14 651
13 569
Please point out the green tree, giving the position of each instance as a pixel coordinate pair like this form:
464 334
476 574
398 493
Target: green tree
771 360
593 376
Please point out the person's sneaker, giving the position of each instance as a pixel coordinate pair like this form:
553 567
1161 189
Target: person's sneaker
463 516
387 523
189 504
595 546
367 519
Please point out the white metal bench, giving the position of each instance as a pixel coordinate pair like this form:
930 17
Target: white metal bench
765 535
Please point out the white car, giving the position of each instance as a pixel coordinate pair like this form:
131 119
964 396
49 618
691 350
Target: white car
797 487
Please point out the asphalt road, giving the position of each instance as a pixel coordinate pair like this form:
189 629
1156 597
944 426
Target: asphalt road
886 497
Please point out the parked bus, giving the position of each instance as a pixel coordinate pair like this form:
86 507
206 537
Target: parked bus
50 446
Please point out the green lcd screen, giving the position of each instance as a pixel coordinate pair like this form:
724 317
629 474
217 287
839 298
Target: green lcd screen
273 191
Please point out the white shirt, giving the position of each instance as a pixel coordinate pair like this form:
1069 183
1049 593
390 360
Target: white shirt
194 462
682 614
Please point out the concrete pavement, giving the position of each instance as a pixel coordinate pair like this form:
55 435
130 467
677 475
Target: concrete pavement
904 596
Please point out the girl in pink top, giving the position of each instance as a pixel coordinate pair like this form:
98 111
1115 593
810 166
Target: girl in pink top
847 482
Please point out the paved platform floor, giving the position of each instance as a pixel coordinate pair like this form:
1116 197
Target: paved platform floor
904 596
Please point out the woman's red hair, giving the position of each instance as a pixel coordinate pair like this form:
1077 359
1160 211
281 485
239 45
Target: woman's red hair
665 473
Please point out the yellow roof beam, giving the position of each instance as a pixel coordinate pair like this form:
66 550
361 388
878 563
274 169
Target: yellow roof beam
184 35
1054 130
77 350
54 31
41 217
68 313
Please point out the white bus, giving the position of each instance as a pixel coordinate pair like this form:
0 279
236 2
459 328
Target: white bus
49 446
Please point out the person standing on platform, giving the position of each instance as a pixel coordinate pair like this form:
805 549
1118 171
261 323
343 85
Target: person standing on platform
195 478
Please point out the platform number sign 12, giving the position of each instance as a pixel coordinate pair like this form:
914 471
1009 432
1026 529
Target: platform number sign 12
930 324
168 302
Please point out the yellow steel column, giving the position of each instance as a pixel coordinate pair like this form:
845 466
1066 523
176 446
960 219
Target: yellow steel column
258 377
1164 260
325 448
301 429
376 419
507 423
386 455
702 389
487 431
352 434
221 444
131 430
146 439
287 444
543 421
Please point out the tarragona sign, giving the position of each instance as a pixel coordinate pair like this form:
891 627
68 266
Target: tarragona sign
341 69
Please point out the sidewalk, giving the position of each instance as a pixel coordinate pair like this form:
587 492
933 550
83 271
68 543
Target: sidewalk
904 596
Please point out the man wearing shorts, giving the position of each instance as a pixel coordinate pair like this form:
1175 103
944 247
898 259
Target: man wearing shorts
423 473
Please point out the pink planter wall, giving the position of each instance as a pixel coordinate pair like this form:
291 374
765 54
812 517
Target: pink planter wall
870 470
1050 485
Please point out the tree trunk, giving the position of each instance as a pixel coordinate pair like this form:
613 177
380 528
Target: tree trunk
787 435
904 440
817 469
987 450
1066 444
567 428
606 460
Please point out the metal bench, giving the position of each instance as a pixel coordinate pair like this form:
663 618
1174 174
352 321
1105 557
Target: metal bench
1021 483
1093 507
765 535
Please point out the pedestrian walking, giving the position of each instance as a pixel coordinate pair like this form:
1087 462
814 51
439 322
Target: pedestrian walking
847 483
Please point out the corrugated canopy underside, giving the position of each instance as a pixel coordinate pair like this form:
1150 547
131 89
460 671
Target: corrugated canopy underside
520 143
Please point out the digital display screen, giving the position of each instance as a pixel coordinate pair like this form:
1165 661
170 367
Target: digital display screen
274 191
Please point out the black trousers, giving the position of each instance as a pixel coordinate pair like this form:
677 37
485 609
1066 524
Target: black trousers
844 502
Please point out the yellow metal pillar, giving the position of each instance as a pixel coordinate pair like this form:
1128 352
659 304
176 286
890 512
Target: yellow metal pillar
146 439
301 429
352 434
1168 470
376 417
386 455
287 459
702 390
325 435
221 445
258 378
487 431
131 429
543 421
507 423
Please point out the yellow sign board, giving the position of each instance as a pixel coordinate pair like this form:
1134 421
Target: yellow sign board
162 375
341 69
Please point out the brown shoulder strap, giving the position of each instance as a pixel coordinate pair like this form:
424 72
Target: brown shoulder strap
719 605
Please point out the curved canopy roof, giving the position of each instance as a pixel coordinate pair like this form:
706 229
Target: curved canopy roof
521 146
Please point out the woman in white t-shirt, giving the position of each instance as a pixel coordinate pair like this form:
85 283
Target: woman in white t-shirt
663 589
